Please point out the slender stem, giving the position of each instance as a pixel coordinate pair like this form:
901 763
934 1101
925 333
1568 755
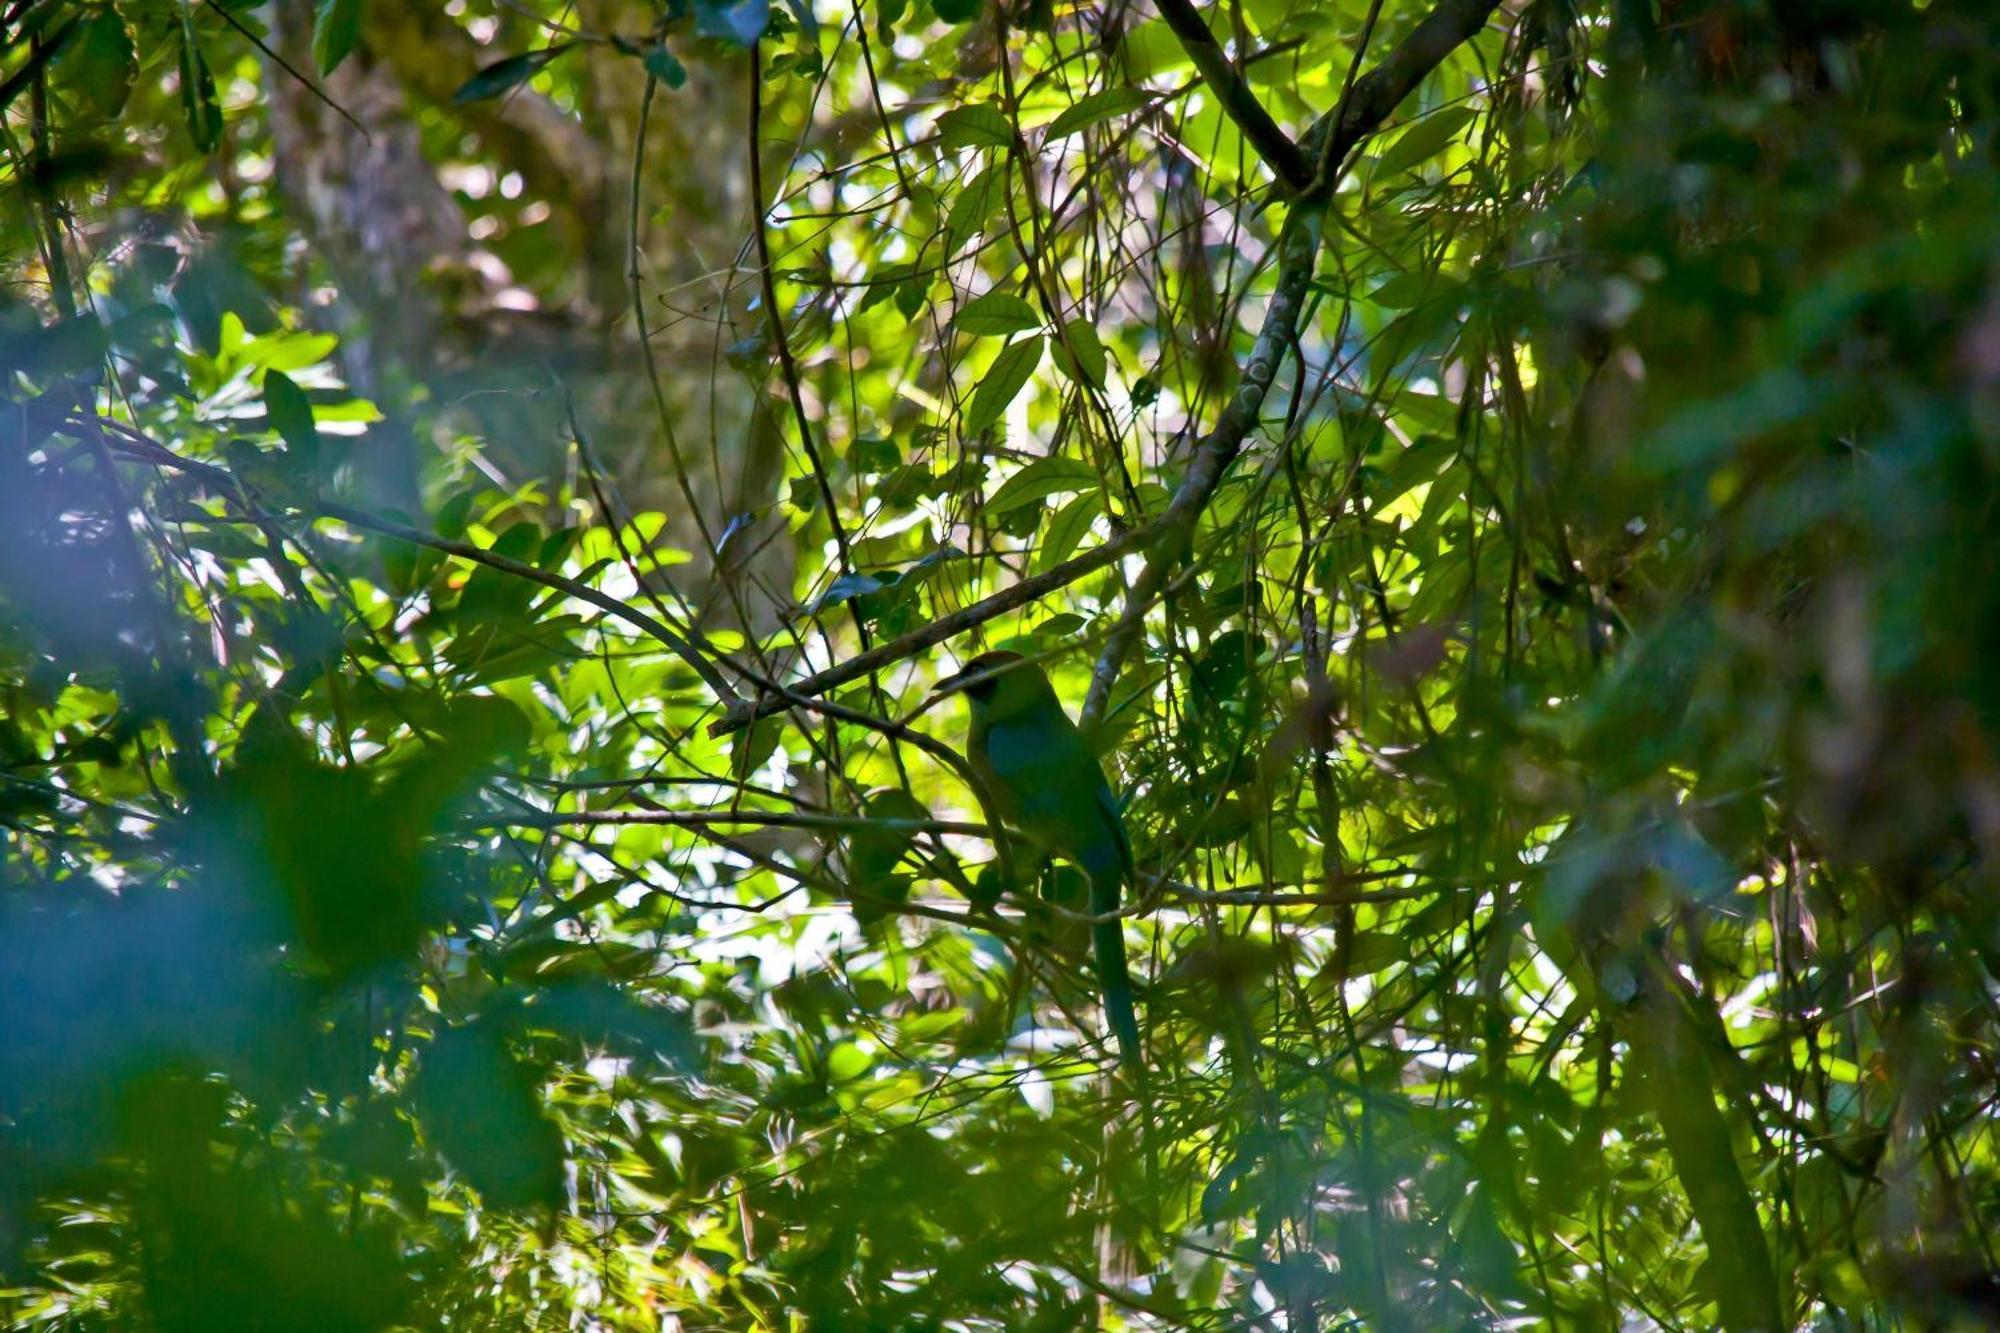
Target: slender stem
786 365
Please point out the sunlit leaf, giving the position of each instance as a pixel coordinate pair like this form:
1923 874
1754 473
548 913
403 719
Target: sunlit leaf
1009 373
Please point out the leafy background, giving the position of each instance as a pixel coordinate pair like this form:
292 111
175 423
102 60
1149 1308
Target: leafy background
485 490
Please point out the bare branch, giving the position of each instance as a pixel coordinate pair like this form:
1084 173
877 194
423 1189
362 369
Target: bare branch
1283 156
1370 101
1014 595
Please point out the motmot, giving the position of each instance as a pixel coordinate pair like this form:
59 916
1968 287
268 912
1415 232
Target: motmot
1045 780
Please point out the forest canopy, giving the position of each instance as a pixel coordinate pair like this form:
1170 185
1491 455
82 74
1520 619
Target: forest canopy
1506 490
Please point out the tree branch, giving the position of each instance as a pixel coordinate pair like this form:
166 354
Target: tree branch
1379 92
1283 156
1370 101
135 444
742 714
1298 249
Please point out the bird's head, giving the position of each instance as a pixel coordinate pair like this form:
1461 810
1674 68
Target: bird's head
1001 685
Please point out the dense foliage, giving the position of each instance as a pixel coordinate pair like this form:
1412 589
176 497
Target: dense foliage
486 489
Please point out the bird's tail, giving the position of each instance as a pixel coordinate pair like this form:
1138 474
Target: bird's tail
1107 939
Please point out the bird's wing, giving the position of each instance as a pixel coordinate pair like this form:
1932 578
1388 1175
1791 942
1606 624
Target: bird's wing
1107 804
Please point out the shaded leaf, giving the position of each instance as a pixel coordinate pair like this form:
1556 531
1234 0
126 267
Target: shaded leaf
336 30
504 75
291 414
1423 140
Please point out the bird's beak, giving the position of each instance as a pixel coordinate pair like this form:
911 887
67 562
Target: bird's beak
969 676
953 684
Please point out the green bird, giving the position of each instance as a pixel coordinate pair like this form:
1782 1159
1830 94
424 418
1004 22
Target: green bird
1045 780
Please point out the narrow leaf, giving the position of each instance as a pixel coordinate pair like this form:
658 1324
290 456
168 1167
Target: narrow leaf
1422 141
1009 372
198 104
1097 107
504 75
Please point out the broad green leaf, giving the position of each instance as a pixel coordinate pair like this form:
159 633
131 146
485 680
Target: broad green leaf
996 315
291 414
981 125
1003 382
1040 479
1408 467
1066 530
103 63
976 203
1080 355
336 30
1099 106
1406 291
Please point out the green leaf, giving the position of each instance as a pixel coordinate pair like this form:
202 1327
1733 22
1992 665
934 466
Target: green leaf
1080 355
104 63
22 77
1004 379
1039 480
1408 467
873 852
808 21
1097 107
198 104
956 11
336 32
981 125
291 414
1066 530
975 203
871 454
662 65
1422 141
1406 291
996 315
505 75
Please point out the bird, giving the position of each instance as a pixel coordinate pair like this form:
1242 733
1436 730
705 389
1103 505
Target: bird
1045 780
